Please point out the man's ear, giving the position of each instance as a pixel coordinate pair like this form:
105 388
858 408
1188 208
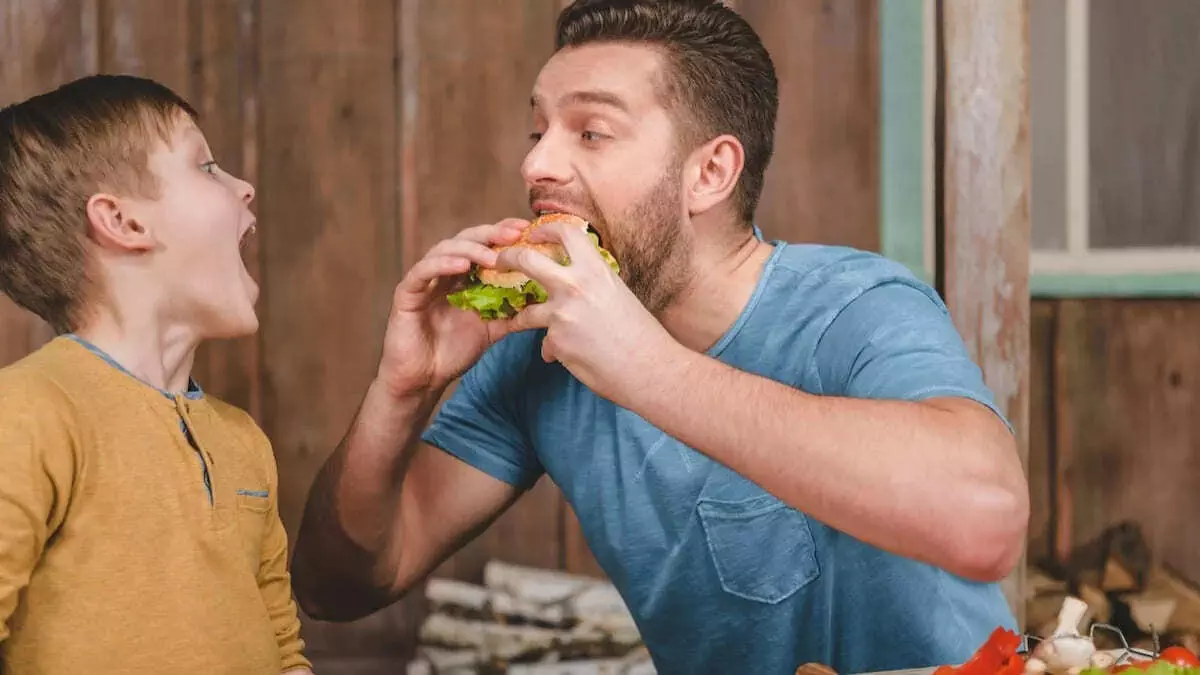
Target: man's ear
714 173
113 225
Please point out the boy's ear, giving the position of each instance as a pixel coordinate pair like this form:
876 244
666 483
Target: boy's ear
113 225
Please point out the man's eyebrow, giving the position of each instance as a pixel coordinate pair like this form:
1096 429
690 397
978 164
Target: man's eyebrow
594 97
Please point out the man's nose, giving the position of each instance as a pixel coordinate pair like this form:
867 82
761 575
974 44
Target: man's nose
546 162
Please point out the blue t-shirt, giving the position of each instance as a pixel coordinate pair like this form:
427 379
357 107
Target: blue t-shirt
720 576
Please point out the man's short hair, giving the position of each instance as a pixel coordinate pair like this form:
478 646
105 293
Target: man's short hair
719 79
58 149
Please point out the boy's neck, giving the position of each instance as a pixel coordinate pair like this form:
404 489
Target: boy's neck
155 354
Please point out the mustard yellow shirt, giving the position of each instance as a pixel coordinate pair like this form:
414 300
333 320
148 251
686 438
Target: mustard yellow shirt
125 547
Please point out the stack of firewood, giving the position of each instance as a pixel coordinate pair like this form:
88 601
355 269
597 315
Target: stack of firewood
1124 587
527 621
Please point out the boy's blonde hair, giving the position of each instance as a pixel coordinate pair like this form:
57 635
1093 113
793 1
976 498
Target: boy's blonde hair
58 149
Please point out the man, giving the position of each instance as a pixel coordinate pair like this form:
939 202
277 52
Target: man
778 453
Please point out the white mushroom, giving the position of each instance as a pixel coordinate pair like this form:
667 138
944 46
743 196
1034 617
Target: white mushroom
1066 651
1035 666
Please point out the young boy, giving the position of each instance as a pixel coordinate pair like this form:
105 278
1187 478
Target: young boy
139 523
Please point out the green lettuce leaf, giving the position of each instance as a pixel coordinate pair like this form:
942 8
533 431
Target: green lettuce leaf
608 257
494 302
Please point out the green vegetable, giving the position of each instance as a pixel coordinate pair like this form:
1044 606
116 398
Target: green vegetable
495 302
1146 668
608 257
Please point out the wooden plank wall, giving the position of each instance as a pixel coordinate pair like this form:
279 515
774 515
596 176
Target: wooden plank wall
1115 433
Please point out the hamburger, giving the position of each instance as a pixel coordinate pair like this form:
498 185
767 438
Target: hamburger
495 294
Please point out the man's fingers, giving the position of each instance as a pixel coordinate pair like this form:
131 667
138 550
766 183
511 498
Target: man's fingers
575 240
532 317
534 265
419 279
463 248
448 258
506 231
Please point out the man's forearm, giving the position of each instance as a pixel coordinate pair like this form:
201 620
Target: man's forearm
348 545
938 482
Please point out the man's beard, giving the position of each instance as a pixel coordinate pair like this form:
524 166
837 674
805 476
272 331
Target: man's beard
652 249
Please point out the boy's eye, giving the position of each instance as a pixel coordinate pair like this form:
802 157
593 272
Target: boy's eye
591 136
210 167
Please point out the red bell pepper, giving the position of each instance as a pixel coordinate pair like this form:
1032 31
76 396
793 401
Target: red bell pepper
997 656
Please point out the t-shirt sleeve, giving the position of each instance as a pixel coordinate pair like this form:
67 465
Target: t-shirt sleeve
482 423
897 341
37 453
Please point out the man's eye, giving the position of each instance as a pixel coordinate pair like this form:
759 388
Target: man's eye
535 136
591 136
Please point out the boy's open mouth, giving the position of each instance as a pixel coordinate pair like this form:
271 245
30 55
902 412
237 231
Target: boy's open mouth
245 238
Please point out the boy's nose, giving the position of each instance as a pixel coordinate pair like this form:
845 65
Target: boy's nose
245 191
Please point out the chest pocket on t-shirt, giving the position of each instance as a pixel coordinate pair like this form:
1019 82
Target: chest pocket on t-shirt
763 549
251 516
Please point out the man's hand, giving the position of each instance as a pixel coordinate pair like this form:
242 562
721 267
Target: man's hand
596 327
428 342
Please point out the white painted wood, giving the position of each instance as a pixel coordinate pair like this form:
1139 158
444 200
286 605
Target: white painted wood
1077 126
1118 261
929 152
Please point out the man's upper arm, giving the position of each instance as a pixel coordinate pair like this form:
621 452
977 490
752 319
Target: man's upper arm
475 461
483 424
37 453
897 341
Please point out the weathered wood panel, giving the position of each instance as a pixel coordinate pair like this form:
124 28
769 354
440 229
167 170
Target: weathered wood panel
1048 123
327 198
466 130
223 55
1041 431
43 45
987 229
823 183
1144 126
148 39
1128 377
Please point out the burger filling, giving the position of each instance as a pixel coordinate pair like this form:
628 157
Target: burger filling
495 294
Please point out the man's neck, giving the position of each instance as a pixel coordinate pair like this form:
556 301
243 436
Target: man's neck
156 354
724 278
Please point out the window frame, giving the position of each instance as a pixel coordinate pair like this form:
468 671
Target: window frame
908 83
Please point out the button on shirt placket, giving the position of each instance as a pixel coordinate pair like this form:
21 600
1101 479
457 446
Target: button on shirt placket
206 460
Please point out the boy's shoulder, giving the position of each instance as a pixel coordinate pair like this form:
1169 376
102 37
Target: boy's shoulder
37 381
38 414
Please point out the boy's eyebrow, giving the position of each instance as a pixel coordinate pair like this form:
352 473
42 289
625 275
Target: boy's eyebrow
196 137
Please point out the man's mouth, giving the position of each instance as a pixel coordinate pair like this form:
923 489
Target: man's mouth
542 208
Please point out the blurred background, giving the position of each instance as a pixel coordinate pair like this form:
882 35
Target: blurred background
374 128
